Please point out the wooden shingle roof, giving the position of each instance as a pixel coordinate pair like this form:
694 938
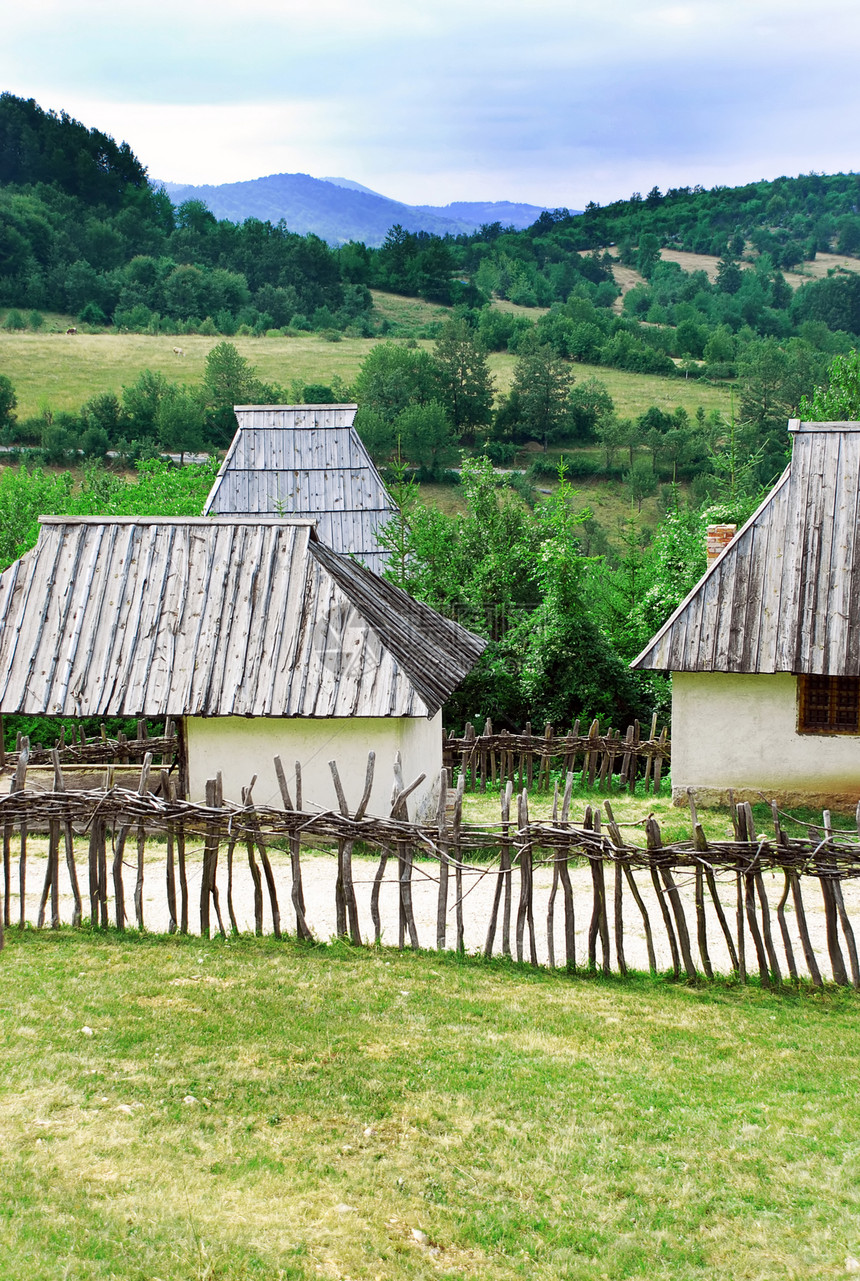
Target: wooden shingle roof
215 617
785 594
306 461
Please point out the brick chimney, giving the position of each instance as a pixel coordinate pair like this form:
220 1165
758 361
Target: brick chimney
719 537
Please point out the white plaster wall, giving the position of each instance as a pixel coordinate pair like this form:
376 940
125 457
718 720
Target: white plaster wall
241 747
740 732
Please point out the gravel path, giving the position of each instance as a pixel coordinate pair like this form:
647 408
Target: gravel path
319 870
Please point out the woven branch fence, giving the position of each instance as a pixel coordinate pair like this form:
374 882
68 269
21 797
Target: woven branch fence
608 759
103 750
449 859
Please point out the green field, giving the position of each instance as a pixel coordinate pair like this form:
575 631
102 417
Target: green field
254 1109
632 393
62 371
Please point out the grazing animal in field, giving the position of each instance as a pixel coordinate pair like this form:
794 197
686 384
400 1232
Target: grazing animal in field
177 351
72 330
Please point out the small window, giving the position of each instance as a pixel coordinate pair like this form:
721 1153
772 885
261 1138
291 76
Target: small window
828 705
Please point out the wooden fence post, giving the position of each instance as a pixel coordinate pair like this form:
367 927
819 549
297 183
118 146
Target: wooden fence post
556 876
345 889
847 931
525 910
170 863
442 842
141 831
456 821
618 842
503 881
297 891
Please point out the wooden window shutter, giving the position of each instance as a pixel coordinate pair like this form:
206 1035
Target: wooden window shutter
828 705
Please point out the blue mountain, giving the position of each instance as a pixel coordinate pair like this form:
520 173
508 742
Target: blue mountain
339 210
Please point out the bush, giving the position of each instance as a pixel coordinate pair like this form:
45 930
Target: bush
721 369
522 486
95 442
57 443
14 321
92 314
135 319
578 466
499 452
543 469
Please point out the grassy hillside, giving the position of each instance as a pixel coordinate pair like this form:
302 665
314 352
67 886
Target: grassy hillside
172 1108
63 371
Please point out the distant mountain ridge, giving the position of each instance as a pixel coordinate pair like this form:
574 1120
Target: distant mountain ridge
338 209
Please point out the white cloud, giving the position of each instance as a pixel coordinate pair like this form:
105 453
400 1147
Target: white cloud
560 102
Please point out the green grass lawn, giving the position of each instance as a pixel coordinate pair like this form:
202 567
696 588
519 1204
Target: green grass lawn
255 1109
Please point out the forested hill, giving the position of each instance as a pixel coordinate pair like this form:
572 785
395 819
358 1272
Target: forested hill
43 147
82 232
790 218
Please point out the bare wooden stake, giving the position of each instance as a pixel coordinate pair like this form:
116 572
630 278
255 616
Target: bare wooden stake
7 864
22 874
297 891
442 842
739 920
343 873
118 891
167 791
525 911
93 873
183 878
254 869
803 930
208 853
456 822
783 927
702 922
721 917
138 887
837 961
231 911
752 921
619 919
674 901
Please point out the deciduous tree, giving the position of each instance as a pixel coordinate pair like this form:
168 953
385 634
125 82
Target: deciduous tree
542 383
463 377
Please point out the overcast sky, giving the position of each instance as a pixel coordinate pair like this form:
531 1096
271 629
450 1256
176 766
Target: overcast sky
554 102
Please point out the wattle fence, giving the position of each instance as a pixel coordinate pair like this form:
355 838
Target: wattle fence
520 887
606 760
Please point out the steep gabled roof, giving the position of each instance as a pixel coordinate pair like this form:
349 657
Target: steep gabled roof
785 594
214 617
307 461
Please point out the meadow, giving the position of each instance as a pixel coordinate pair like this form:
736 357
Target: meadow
61 371
178 1108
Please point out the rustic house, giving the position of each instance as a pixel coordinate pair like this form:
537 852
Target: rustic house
250 632
765 651
306 461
